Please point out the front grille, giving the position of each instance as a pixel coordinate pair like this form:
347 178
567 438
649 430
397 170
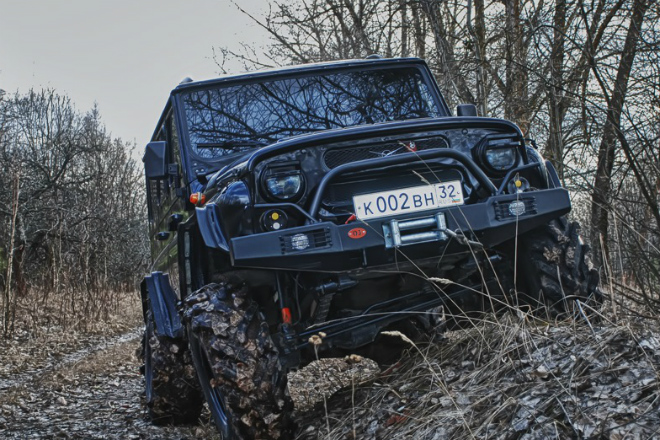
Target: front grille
317 238
339 156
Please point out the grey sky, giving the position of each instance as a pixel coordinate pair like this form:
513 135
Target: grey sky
124 54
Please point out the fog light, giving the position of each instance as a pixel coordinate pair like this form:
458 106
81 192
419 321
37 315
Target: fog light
197 198
300 242
517 208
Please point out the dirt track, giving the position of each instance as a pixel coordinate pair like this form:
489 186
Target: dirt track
91 391
75 386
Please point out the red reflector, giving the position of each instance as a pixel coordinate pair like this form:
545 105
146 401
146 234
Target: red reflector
357 233
286 316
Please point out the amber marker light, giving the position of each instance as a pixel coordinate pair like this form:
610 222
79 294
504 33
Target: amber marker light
274 220
197 198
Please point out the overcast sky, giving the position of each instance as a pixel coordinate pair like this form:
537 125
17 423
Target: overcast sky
126 55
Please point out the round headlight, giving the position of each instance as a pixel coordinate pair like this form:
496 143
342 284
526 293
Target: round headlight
502 159
284 185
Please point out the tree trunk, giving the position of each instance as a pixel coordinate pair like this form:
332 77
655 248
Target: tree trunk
600 202
403 7
480 52
556 110
419 26
9 299
451 78
516 96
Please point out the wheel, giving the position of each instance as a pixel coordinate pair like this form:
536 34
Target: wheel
172 390
557 272
237 363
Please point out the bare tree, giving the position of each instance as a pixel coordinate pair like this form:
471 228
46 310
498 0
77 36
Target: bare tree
615 98
72 221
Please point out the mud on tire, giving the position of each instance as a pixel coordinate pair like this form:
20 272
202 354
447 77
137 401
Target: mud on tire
238 363
172 390
557 271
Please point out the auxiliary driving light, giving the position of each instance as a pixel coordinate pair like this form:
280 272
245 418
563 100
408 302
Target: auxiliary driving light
517 208
300 242
517 185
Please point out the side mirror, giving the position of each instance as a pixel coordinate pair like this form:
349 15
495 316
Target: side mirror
155 163
466 110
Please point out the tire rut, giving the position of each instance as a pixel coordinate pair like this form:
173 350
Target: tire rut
102 343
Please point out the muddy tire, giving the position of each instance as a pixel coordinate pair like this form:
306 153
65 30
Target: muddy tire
556 270
237 364
172 391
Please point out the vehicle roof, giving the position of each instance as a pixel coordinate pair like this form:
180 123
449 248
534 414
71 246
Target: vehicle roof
297 69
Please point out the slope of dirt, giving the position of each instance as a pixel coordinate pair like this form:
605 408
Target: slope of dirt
509 379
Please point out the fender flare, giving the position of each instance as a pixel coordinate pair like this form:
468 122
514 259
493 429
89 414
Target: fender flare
157 294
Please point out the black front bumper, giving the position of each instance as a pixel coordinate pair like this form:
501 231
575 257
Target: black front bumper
364 245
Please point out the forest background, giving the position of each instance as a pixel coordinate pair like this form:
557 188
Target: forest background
580 77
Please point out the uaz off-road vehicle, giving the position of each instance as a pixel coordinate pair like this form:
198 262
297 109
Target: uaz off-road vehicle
338 200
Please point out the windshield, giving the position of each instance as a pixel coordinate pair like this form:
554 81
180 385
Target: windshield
230 119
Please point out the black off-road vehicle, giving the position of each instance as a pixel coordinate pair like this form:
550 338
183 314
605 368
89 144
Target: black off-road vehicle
334 200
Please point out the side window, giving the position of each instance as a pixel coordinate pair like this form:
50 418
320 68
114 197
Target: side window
175 153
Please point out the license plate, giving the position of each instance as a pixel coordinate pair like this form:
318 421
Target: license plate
407 200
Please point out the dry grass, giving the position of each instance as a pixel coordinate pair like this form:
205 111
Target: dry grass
90 312
511 377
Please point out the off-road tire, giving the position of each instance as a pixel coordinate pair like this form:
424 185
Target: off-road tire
237 363
172 391
556 271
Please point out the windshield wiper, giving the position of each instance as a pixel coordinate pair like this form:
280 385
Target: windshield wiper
232 143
